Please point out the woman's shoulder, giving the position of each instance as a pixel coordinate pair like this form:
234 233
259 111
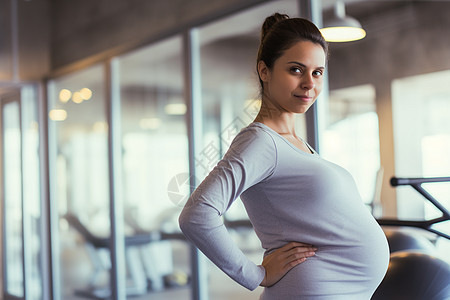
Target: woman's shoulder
252 142
255 133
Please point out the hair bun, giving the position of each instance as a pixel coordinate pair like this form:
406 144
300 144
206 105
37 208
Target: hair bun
270 22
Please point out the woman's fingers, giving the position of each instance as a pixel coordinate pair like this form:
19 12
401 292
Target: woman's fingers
297 247
294 263
297 250
296 257
281 260
295 244
293 251
295 254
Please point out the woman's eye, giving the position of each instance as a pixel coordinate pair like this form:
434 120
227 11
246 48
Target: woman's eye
296 70
317 73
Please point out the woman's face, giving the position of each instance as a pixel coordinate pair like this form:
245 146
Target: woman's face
296 78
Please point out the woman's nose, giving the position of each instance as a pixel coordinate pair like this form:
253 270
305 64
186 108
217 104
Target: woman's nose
308 83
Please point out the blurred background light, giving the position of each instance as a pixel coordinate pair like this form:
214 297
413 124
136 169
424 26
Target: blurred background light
57 114
175 109
77 97
64 95
86 93
150 123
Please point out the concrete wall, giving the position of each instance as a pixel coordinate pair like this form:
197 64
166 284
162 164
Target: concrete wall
408 40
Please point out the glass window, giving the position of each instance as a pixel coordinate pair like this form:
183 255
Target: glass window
31 194
79 179
422 144
22 212
422 137
155 155
12 185
351 137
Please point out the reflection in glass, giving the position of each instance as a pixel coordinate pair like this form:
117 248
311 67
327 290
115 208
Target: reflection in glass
79 184
155 155
13 251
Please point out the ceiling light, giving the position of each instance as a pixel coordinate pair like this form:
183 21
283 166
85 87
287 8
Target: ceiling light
175 109
100 127
342 28
86 93
64 95
77 97
57 114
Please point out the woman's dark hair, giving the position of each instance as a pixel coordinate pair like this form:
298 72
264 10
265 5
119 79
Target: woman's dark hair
279 33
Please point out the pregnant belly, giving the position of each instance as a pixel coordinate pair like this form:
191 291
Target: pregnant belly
334 273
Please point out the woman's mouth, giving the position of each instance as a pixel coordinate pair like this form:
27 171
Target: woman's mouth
303 98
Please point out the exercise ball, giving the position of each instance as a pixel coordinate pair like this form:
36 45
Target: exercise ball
400 240
415 276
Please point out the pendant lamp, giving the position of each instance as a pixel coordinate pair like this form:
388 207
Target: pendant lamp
342 28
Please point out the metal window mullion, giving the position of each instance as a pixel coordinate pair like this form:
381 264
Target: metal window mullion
51 205
192 86
25 221
3 201
47 280
117 245
312 10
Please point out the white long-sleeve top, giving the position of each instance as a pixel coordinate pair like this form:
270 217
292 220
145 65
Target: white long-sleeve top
289 195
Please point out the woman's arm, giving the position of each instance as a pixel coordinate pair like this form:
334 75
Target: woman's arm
250 160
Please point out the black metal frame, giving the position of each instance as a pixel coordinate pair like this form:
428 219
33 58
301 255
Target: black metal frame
416 183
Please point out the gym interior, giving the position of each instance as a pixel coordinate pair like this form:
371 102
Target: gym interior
113 111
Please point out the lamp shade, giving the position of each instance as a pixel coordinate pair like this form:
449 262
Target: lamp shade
342 28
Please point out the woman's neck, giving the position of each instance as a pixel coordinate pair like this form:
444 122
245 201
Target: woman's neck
276 118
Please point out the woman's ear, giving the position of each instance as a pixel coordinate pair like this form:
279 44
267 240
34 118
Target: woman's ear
263 71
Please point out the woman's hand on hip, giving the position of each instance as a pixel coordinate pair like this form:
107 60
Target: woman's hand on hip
283 259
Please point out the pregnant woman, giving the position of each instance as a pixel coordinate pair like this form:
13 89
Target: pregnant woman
321 241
